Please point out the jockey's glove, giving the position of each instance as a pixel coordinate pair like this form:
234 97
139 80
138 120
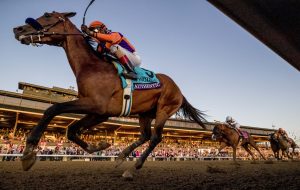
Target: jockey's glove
86 30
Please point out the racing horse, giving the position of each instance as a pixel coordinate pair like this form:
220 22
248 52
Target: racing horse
281 143
275 146
100 93
228 136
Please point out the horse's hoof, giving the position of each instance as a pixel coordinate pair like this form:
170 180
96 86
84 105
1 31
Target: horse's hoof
28 160
139 164
127 175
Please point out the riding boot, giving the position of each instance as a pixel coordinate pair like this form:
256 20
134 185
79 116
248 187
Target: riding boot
240 133
130 74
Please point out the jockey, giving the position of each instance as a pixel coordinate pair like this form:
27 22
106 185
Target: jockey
283 133
232 123
115 43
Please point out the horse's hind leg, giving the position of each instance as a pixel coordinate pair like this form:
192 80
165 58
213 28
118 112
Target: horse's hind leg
256 148
156 138
85 123
245 146
145 128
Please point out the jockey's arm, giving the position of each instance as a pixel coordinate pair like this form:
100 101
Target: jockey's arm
237 125
112 38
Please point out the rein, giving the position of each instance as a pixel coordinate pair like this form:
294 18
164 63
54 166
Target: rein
43 30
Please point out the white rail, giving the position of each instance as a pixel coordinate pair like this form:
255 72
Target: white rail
112 158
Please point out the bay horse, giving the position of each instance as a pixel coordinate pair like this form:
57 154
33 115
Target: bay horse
275 146
228 136
100 92
281 143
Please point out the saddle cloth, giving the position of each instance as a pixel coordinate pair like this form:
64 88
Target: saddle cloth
245 134
146 79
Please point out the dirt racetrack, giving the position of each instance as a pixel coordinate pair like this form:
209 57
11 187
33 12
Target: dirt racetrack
154 175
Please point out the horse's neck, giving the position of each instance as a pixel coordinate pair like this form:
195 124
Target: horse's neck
78 53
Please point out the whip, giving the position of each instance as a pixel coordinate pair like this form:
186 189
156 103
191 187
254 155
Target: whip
83 20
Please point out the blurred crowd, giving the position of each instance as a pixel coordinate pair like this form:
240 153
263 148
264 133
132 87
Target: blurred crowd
57 144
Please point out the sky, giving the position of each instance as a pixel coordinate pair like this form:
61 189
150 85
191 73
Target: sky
220 67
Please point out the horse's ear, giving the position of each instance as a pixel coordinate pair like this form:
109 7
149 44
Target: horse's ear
70 14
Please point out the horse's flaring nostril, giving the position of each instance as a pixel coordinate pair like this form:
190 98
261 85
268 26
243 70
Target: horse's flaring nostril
19 29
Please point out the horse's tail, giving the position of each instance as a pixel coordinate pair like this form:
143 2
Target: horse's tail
188 111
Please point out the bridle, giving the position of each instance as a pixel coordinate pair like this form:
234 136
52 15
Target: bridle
41 31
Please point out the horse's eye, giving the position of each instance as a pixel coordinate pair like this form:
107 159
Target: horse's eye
47 15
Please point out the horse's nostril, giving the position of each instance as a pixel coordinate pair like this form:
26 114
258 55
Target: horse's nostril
20 29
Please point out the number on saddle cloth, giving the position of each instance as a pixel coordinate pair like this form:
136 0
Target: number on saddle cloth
146 79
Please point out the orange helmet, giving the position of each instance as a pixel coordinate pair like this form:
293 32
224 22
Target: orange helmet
97 24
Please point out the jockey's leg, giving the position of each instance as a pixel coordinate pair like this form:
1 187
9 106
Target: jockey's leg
240 132
126 60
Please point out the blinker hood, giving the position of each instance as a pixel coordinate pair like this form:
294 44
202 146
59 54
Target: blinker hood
34 23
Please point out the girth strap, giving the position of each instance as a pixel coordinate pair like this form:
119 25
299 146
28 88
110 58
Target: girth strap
127 99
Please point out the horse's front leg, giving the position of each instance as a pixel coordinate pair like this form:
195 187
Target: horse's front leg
222 146
29 153
234 153
85 123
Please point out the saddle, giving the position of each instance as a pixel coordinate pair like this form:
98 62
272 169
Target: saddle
243 134
146 79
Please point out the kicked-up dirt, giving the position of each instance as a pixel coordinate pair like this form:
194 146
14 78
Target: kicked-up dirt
154 175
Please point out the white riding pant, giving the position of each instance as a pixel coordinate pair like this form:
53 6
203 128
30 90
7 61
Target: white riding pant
134 58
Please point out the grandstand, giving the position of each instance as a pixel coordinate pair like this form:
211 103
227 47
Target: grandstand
23 111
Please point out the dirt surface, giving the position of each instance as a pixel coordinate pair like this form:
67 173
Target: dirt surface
154 175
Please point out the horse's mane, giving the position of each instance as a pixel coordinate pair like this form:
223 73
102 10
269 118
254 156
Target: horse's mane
103 56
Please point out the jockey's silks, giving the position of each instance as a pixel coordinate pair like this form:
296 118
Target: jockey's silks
115 38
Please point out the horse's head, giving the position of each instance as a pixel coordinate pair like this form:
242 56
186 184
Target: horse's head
48 29
273 137
217 132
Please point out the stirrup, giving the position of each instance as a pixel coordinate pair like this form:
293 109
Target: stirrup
130 75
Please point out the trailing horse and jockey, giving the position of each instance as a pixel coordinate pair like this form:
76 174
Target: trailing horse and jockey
279 140
101 92
228 136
